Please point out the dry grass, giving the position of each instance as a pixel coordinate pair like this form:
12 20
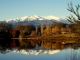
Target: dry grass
66 35
61 35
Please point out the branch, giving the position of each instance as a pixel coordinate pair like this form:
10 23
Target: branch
69 19
75 12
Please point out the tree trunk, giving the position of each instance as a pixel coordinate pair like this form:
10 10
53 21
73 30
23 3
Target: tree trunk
21 37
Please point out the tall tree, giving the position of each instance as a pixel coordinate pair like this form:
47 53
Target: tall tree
42 29
74 17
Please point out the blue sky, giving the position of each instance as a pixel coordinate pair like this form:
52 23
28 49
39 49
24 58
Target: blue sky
18 8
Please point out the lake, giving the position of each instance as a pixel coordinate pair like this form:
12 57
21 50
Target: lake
38 50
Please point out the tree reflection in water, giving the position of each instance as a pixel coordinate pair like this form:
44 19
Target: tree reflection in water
40 46
72 54
4 44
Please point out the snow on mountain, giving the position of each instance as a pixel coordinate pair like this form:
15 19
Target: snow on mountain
35 17
34 52
35 20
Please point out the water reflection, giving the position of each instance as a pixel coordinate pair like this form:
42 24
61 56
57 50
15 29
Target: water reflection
31 47
39 46
48 45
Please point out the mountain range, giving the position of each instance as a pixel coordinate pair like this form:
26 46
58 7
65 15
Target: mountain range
36 20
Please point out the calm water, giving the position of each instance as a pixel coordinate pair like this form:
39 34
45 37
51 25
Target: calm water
38 50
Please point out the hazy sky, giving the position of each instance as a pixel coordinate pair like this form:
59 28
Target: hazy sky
18 8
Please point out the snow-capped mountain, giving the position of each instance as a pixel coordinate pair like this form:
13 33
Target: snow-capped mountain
35 20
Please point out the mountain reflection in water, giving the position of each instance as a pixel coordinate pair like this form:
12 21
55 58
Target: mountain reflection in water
35 47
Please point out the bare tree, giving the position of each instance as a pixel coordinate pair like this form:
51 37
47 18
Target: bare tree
75 18
48 28
5 30
21 29
42 29
5 26
36 29
24 29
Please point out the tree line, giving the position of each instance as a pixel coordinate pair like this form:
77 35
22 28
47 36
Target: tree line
30 30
